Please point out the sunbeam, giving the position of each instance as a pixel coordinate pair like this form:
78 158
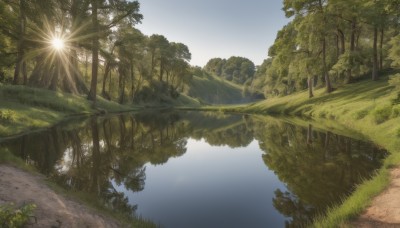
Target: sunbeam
57 43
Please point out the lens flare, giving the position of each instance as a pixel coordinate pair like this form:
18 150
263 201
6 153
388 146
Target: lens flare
57 44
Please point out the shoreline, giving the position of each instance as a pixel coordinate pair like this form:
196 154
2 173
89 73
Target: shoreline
52 208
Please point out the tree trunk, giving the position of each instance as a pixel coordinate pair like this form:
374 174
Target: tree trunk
310 87
342 41
96 159
106 73
375 55
352 47
152 63
20 65
325 68
132 71
121 84
161 71
95 53
57 72
381 49
337 47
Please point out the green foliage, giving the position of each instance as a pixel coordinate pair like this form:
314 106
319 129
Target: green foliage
395 81
7 115
214 90
382 113
361 114
394 51
395 111
322 114
235 69
12 217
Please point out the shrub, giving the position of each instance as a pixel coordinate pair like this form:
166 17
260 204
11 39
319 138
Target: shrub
15 217
396 111
395 81
361 114
382 113
7 115
322 114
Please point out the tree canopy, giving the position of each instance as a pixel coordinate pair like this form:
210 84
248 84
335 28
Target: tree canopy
235 69
102 50
330 43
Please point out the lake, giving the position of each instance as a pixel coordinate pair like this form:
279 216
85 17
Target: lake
203 169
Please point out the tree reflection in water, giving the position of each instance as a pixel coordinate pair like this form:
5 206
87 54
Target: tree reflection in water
97 154
319 168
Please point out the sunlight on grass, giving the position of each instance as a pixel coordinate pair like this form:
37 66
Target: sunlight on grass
24 108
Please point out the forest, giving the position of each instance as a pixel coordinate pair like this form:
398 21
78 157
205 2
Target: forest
93 48
325 44
101 52
329 44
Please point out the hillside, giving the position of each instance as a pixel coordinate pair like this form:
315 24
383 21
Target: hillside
213 90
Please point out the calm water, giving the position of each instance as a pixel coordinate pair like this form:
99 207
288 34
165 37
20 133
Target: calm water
202 169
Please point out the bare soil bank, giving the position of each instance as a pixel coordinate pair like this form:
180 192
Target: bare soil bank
384 210
53 210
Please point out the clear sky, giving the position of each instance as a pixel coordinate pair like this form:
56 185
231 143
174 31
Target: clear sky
216 28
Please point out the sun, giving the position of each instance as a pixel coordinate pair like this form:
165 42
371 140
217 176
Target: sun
57 44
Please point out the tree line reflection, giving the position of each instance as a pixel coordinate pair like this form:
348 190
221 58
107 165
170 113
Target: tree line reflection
318 168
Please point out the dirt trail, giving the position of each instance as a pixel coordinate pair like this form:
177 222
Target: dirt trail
53 210
385 208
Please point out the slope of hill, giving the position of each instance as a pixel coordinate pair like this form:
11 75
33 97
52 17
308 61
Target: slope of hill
213 90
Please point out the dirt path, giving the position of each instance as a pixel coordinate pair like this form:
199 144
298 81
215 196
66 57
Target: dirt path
385 208
53 210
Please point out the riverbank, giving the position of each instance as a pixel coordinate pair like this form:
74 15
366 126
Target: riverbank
24 110
51 209
368 108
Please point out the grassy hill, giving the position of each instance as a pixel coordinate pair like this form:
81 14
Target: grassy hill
23 108
213 90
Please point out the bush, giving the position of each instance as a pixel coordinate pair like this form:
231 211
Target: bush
396 111
322 114
395 81
361 114
12 217
7 115
382 113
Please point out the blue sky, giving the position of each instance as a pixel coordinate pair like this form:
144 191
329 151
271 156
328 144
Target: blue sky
216 28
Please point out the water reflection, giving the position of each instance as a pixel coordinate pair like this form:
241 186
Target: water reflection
316 168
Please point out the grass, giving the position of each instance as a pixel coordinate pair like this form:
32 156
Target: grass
6 157
211 89
366 107
25 109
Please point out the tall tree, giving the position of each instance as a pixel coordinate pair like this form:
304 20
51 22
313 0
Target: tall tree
119 10
95 51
